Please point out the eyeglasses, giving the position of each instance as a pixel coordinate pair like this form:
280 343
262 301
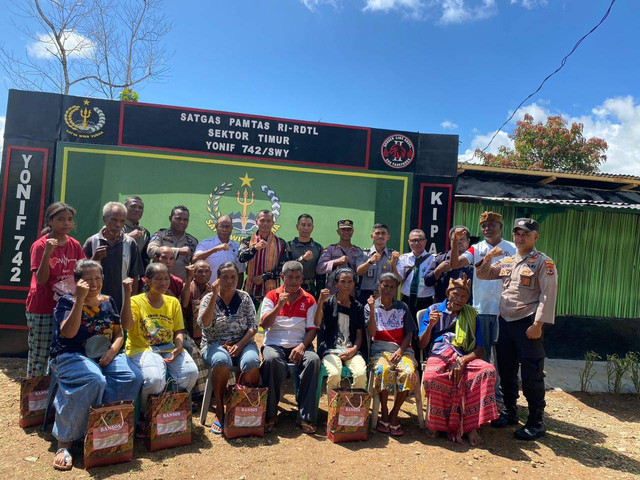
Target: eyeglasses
417 240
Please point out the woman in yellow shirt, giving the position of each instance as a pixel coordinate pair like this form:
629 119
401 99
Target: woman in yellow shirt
155 338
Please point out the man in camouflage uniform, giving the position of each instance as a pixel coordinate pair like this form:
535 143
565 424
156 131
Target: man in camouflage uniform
527 303
339 255
178 239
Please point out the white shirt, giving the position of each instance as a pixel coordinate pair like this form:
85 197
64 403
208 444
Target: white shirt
405 263
216 259
486 293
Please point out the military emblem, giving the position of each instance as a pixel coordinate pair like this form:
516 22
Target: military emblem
84 122
551 267
397 151
244 220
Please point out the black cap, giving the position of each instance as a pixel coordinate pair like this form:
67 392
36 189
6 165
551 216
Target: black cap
526 224
345 223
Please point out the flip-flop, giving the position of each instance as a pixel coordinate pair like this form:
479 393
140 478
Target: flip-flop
383 427
68 460
219 426
308 427
396 430
270 425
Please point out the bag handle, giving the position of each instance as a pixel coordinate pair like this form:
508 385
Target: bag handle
352 405
244 392
112 427
170 381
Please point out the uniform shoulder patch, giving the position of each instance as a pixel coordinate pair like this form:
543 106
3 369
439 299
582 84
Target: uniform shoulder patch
550 266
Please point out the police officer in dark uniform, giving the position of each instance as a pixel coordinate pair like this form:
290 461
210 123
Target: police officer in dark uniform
530 284
339 255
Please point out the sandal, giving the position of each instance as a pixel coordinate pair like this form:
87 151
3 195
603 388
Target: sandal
396 430
216 427
68 460
307 427
270 425
383 427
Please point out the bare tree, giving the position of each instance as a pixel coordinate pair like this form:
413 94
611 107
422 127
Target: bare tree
100 45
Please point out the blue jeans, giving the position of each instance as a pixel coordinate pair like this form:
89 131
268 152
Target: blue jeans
82 383
183 370
490 329
215 356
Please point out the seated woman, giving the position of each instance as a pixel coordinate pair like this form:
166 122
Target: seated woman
390 324
85 358
459 385
155 339
228 321
341 322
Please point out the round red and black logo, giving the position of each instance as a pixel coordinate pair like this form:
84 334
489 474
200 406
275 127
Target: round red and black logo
397 151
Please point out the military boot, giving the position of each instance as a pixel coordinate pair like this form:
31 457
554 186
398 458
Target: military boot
508 416
534 428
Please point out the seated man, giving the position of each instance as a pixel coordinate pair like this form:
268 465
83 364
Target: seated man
459 385
288 320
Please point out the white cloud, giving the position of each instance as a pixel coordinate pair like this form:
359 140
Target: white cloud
460 11
75 44
530 4
616 120
447 125
411 8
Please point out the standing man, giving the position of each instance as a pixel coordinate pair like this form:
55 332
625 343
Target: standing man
375 261
486 293
132 227
117 253
220 249
287 317
527 303
440 271
339 255
178 239
264 254
412 268
304 250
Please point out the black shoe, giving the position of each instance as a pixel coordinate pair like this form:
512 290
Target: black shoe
529 432
505 420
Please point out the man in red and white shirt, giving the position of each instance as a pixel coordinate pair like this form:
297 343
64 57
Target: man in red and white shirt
287 318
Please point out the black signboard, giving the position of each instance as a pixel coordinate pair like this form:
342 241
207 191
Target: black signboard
435 207
23 193
240 135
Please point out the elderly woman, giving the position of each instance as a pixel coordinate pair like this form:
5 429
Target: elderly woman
155 336
391 326
85 357
53 258
228 320
341 334
459 385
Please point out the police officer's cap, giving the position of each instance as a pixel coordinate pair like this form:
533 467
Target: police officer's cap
526 224
345 223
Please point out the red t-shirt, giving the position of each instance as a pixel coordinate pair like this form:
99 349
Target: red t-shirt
61 264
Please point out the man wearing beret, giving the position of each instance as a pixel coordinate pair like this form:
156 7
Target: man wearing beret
527 303
339 255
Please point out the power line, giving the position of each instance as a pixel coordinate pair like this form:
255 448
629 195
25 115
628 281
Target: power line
562 63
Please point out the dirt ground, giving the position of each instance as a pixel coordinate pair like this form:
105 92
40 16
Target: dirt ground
590 436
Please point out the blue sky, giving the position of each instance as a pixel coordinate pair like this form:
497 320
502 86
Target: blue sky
434 66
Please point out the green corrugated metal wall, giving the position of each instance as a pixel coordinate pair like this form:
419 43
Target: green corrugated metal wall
597 253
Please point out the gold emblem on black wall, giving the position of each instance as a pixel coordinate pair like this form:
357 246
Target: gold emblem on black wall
84 121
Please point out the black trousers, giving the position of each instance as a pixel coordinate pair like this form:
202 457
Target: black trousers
421 304
515 351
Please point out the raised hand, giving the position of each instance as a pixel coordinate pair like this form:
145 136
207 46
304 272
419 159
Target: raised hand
191 270
395 256
375 258
50 246
100 253
135 234
260 245
82 289
127 283
324 295
434 317
493 253
282 299
308 256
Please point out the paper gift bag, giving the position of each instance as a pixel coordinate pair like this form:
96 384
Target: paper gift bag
169 425
109 437
348 415
34 396
245 410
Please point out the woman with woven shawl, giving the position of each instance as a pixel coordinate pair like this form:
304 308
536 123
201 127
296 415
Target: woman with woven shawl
264 254
459 385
